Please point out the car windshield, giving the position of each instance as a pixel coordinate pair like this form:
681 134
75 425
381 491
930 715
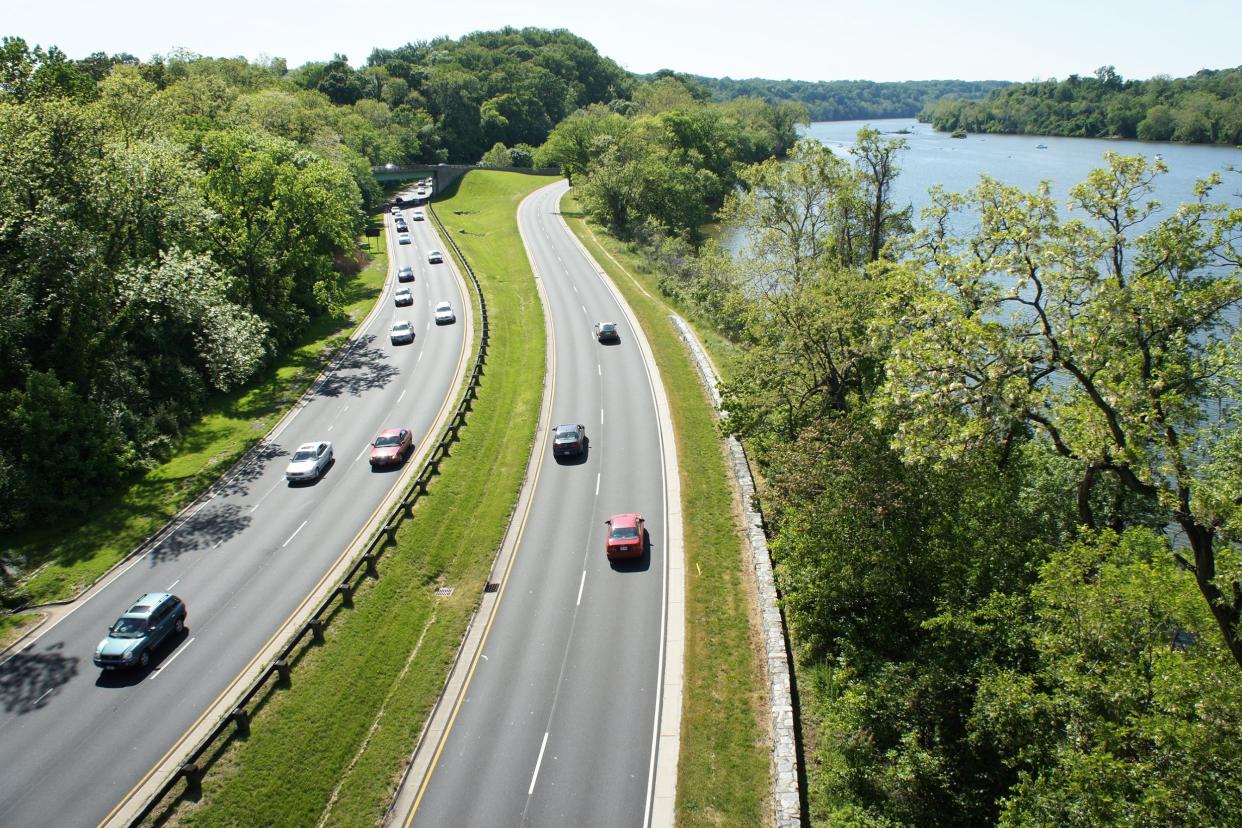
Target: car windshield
129 628
624 533
300 456
401 327
443 306
389 440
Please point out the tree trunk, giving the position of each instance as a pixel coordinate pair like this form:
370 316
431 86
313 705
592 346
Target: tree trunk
1228 613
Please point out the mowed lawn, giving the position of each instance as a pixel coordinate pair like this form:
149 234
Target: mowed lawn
330 748
66 558
723 768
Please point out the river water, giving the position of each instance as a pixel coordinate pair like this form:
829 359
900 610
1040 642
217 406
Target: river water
956 163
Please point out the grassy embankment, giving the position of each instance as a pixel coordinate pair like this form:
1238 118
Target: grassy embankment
70 556
329 749
723 770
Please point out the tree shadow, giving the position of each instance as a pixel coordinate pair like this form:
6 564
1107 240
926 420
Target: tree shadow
252 470
29 680
364 368
209 527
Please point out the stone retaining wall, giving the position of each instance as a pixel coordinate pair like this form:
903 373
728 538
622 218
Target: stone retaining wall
786 801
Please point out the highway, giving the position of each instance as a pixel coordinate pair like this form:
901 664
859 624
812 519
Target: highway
73 740
557 725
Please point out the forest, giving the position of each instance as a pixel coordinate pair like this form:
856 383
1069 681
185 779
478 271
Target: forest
1205 108
999 455
849 100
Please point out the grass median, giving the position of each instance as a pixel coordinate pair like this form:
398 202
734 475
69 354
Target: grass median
63 560
723 768
330 749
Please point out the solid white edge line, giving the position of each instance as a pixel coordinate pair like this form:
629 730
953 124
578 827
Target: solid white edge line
597 484
294 535
538 762
581 584
173 584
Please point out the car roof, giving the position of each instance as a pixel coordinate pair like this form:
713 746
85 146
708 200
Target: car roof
143 604
608 324
392 432
402 324
627 519
406 268
310 446
443 306
566 427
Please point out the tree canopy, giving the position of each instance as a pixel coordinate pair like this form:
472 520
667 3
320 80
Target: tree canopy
1205 108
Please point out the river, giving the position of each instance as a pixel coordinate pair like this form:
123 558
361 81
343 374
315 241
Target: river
956 163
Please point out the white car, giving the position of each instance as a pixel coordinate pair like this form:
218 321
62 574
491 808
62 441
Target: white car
404 296
309 462
444 314
435 257
402 332
418 215
396 211
403 238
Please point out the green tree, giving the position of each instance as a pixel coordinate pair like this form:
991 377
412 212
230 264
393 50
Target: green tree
1113 344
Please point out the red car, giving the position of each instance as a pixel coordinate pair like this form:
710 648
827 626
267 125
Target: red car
392 448
625 536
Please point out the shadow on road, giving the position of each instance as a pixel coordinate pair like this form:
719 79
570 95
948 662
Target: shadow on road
363 368
28 681
210 527
239 484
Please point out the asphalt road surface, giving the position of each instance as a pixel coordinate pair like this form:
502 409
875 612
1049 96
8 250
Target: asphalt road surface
74 741
558 723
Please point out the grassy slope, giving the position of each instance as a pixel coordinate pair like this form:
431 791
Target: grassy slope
331 748
70 556
723 769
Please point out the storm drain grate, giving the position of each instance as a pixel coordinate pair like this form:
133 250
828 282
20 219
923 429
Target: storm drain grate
444 592
492 587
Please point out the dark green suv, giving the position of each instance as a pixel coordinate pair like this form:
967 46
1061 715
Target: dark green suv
143 627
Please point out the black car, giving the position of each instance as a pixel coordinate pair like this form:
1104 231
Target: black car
140 629
569 440
405 274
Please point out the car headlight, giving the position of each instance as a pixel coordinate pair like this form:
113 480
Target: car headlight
128 656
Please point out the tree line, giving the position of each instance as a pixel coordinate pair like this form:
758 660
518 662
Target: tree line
849 100
1000 454
1205 108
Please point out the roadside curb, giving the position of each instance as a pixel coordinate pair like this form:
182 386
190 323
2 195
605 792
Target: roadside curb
787 802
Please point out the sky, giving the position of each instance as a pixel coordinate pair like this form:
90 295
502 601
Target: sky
777 39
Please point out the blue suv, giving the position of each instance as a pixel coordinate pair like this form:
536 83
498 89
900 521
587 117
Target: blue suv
141 629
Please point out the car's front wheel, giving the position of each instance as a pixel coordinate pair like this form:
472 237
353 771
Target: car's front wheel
179 627
144 659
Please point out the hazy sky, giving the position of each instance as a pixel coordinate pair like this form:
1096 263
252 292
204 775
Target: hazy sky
801 39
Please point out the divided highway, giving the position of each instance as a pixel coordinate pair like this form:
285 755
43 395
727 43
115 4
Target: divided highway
558 723
74 741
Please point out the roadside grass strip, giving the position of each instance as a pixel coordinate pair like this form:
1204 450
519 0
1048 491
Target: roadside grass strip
723 773
329 749
70 556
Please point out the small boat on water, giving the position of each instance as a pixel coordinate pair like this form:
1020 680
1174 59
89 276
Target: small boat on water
1041 146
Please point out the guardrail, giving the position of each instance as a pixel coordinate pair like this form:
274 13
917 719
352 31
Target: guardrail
191 770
